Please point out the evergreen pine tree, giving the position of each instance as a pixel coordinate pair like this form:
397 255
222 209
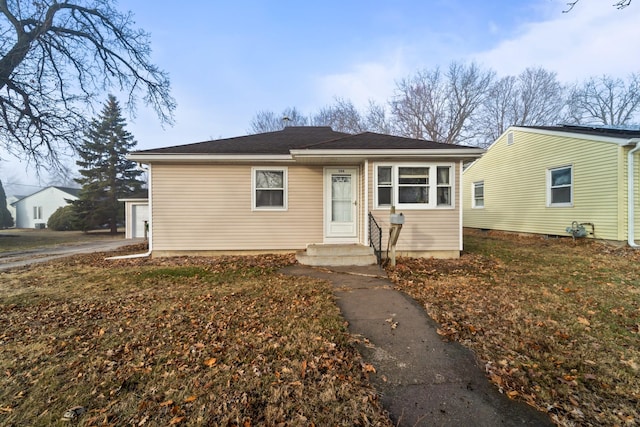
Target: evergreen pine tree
106 175
6 220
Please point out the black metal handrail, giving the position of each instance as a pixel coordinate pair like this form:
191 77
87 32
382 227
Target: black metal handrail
375 237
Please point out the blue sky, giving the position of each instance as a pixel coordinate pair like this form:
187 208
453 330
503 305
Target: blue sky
228 60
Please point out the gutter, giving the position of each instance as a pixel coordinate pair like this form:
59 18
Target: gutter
631 194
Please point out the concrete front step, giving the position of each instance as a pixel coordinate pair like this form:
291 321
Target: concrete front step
336 255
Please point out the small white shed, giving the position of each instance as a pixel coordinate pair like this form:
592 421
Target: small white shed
136 217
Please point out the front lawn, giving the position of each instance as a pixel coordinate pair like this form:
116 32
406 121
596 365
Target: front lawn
182 341
555 322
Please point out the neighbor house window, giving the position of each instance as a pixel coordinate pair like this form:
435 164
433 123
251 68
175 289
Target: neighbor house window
37 212
478 194
269 188
560 186
417 186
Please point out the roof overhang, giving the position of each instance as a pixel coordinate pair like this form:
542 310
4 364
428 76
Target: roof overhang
332 156
312 156
618 140
207 158
135 200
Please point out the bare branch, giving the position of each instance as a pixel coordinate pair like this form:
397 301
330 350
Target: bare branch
621 4
58 60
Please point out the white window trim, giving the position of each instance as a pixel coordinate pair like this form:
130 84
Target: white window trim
559 205
473 195
433 186
285 198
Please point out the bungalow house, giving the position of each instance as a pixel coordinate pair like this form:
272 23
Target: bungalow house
557 180
34 210
300 187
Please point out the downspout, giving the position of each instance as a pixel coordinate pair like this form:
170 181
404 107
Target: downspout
631 210
150 237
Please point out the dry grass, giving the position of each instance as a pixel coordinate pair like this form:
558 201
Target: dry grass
23 239
183 341
556 322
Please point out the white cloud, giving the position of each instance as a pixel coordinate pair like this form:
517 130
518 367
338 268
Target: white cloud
363 81
593 39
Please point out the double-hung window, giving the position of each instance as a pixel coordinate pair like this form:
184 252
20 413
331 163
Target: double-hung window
478 194
414 186
269 188
560 186
37 212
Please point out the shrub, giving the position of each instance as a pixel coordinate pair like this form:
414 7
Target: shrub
63 219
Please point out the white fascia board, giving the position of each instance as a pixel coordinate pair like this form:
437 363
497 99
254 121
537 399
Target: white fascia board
622 141
370 154
207 158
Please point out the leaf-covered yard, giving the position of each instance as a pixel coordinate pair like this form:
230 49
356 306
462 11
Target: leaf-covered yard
555 321
229 341
182 341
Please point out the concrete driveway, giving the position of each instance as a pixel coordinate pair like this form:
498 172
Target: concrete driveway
16 259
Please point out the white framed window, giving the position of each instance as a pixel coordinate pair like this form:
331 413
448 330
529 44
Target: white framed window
269 188
414 186
478 195
560 186
37 212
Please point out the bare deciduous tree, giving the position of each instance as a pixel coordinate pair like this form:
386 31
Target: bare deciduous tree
533 98
342 116
377 119
268 121
57 60
605 101
438 105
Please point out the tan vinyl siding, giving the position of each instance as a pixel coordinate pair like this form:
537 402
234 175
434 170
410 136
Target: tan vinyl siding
200 207
515 185
428 230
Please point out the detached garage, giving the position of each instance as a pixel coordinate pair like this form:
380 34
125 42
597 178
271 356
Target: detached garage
136 217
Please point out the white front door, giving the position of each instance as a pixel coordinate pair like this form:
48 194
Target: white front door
340 206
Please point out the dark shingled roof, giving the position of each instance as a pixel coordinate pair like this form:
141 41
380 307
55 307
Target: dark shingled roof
377 141
72 191
279 142
591 130
301 138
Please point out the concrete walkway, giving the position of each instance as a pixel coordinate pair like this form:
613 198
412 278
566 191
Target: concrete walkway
423 380
16 259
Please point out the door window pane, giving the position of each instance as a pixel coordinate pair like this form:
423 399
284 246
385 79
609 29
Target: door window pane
341 198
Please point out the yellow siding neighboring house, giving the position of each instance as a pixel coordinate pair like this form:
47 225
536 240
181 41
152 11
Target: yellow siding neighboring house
516 173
